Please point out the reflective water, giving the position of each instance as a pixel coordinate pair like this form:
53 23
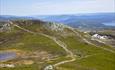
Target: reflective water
7 56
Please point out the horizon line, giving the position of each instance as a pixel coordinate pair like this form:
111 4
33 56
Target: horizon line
57 14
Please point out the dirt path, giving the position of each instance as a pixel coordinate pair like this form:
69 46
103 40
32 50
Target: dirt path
60 43
64 46
70 54
103 43
85 40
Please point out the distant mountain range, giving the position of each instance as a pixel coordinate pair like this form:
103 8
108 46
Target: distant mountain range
95 20
86 20
11 17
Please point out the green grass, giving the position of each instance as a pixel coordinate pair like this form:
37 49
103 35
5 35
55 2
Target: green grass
103 61
76 44
26 42
32 42
100 59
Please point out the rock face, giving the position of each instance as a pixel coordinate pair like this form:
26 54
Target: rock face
55 26
50 67
6 27
7 65
37 26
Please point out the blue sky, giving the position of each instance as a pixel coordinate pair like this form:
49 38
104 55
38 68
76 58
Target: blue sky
55 7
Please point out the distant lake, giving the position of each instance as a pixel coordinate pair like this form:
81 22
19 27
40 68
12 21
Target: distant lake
110 24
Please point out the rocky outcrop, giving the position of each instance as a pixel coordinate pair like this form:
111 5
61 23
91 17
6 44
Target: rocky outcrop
6 27
55 27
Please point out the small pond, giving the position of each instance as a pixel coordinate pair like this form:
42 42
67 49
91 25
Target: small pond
4 56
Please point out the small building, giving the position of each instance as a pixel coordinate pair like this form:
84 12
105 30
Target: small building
99 36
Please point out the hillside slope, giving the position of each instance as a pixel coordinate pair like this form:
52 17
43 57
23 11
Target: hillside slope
39 45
